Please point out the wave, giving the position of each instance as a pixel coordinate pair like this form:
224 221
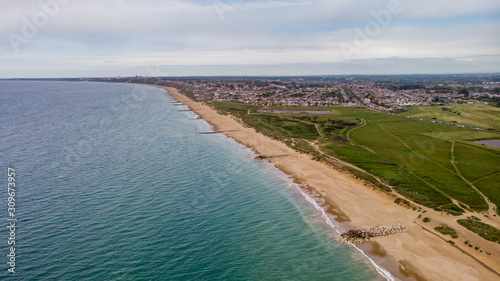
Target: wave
313 201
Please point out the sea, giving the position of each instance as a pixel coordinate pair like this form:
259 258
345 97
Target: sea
115 182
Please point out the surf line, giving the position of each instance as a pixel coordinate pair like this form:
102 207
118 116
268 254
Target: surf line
382 271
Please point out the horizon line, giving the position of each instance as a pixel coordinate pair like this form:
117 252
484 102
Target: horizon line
249 76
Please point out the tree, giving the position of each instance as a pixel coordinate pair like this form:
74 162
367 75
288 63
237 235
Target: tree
464 92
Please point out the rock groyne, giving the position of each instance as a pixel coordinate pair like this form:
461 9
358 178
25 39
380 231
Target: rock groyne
357 236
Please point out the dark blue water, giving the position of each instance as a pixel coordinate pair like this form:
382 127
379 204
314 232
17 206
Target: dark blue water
114 183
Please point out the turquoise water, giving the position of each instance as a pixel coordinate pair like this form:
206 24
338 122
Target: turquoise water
114 183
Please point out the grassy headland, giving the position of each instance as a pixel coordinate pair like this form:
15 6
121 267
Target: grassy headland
431 164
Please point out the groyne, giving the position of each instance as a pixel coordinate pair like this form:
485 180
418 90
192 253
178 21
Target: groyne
357 236
264 157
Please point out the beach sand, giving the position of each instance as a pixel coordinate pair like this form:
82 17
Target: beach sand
415 254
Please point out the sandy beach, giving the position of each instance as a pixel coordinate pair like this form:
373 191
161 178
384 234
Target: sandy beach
416 254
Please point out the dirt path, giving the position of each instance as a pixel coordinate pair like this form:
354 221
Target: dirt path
364 123
355 128
485 177
342 164
491 207
413 151
320 132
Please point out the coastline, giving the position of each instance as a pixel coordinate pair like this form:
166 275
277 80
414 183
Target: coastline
416 254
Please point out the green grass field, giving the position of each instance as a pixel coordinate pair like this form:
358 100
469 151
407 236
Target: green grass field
478 115
413 157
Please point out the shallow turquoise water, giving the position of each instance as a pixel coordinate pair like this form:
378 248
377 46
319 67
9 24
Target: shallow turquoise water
114 183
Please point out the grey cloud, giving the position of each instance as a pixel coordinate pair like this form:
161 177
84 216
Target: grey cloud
132 32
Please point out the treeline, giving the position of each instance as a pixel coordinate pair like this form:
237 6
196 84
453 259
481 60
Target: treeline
495 101
406 87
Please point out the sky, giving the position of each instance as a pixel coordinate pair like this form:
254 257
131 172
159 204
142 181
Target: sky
94 38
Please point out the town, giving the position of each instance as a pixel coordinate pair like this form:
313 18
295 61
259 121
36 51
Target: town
391 93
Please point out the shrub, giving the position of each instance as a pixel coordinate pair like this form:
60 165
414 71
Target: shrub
446 230
450 208
484 230
402 201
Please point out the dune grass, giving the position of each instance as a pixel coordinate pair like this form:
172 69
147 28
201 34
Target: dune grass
484 230
446 230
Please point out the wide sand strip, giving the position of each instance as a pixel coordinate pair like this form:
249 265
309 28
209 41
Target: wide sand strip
417 252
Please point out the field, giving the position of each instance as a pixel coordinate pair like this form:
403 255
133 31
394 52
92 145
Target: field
478 115
434 165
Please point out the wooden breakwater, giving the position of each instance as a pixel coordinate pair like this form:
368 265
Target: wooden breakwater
216 132
357 236
294 111
209 133
263 157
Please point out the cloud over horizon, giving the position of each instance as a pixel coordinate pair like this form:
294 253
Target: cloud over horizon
73 38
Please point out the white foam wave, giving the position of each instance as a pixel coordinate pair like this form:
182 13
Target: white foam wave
382 271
